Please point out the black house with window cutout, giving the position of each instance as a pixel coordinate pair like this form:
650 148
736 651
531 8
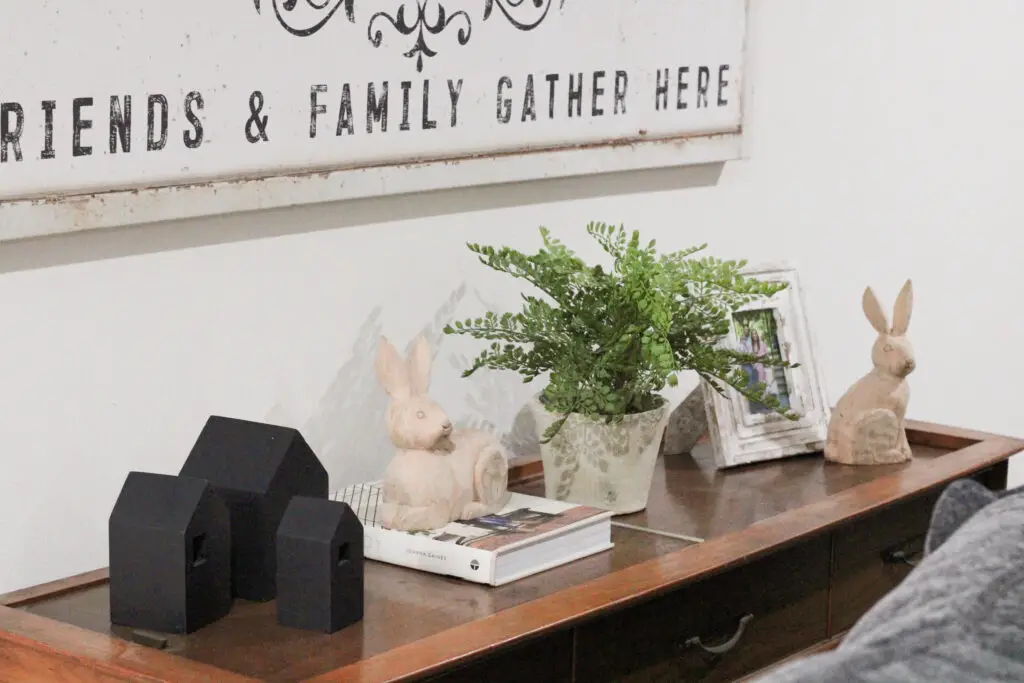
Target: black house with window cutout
170 554
319 566
256 468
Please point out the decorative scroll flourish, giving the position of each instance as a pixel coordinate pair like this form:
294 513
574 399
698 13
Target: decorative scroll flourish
423 18
421 26
322 10
518 12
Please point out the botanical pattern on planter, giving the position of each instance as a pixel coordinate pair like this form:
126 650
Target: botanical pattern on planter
599 448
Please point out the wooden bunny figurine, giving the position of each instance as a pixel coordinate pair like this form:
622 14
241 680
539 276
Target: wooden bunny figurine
867 426
438 475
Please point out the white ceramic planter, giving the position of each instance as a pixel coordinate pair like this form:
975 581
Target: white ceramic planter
609 466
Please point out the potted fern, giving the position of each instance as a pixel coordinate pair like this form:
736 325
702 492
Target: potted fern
610 338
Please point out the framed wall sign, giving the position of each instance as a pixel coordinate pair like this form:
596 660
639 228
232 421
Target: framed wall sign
112 113
742 432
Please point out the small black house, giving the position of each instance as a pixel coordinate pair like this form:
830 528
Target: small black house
256 468
170 554
319 566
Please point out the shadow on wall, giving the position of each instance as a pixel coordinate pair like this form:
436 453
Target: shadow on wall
496 396
98 245
347 431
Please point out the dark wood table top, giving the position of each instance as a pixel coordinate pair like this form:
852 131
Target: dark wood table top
417 622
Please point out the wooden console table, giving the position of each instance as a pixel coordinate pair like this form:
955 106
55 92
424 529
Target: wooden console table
795 552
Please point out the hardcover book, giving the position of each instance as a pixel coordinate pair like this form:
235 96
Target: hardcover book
529 535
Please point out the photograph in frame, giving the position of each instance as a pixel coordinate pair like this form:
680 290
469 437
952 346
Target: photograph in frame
742 431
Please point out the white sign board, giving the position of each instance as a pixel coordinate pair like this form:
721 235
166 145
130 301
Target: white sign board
257 103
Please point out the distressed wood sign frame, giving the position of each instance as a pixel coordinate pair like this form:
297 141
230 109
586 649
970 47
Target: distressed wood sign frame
41 212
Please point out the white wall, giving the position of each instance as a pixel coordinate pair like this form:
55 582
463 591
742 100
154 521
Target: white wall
880 138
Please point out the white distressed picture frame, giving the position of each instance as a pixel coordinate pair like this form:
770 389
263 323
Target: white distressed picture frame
740 436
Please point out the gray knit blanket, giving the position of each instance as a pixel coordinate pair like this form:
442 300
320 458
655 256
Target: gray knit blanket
958 616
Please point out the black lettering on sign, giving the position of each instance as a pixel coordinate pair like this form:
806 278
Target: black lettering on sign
10 135
504 103
152 143
193 138
621 86
315 107
596 91
722 85
120 123
661 91
576 94
529 101
428 123
454 93
78 124
703 79
48 107
575 91
681 87
551 79
345 123
256 125
700 91
406 89
377 109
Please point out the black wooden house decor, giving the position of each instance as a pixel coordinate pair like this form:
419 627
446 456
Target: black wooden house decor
256 468
170 554
319 566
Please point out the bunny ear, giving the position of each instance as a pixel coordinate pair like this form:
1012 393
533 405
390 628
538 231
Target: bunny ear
419 366
873 310
391 370
904 306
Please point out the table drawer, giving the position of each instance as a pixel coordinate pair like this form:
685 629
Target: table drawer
747 617
545 660
873 555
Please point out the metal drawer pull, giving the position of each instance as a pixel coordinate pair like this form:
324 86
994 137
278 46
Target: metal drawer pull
898 557
727 645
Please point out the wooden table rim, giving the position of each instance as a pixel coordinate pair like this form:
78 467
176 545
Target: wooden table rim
460 644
